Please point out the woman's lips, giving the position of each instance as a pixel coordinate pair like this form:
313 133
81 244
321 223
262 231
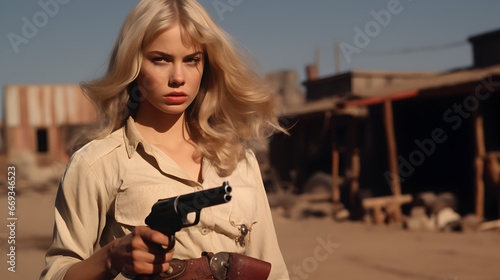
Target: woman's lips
176 97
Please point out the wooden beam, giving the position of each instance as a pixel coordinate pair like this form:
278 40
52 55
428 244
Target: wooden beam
354 184
489 225
379 100
382 201
492 172
391 147
479 164
354 164
391 204
335 173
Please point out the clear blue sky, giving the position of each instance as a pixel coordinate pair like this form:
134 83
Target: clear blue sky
73 44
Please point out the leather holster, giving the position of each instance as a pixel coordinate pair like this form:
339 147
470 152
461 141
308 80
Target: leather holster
220 266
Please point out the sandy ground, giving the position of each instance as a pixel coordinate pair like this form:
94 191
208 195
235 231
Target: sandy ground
315 248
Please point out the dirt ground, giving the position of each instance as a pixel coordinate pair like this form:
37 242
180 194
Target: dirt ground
315 248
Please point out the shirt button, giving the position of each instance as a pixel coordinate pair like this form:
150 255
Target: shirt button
205 231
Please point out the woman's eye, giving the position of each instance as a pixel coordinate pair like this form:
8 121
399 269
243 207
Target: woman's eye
193 60
159 60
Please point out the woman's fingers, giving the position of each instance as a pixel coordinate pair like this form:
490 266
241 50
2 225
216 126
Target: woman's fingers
154 240
154 236
141 252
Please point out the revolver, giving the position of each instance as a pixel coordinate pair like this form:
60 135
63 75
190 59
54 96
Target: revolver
169 215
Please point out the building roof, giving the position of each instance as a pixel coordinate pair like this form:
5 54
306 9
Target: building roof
372 73
46 105
330 104
485 36
433 85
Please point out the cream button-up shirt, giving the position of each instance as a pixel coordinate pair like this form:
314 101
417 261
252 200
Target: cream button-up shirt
109 186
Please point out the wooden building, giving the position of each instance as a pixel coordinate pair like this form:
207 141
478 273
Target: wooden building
44 119
390 134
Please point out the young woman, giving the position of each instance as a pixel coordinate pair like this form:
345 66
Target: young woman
178 109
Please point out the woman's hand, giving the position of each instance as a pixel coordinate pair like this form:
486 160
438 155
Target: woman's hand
139 252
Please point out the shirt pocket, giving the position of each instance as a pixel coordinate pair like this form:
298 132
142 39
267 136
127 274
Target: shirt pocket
133 204
243 214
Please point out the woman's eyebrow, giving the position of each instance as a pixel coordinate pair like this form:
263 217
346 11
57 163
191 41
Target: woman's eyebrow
194 54
163 54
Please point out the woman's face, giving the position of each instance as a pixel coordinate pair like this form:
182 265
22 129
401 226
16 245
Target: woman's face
171 72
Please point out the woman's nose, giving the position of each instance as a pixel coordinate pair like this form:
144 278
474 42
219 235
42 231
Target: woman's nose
177 78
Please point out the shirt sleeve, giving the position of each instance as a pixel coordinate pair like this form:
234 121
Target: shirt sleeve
80 215
264 242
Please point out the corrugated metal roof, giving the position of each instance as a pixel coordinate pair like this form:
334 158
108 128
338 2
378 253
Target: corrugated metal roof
46 105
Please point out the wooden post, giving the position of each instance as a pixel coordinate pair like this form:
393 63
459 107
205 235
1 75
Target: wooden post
492 172
393 158
354 162
335 174
391 147
355 171
479 164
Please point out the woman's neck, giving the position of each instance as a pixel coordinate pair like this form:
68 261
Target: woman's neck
168 133
156 126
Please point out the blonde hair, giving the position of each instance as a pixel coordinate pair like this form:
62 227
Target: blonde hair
233 106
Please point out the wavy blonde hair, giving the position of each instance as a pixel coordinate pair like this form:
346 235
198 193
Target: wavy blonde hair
233 106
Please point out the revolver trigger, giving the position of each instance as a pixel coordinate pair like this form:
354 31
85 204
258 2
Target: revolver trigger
171 243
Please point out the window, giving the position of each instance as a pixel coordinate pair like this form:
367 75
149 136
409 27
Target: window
41 135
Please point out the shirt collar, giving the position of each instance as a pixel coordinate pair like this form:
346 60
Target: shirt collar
133 138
